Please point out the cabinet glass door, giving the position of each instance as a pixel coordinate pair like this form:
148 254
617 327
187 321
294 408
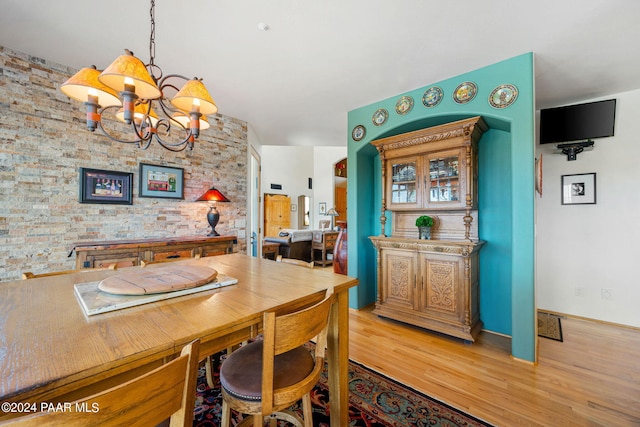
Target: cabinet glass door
444 179
403 183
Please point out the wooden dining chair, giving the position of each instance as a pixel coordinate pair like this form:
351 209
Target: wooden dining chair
298 262
267 376
30 275
166 392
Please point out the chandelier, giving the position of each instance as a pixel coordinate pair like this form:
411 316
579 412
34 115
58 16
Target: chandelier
135 93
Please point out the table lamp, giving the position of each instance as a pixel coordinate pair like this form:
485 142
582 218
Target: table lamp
333 214
213 195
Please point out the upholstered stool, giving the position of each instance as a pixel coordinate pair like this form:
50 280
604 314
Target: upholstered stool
241 372
265 377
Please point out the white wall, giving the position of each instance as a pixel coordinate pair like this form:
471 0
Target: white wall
293 166
290 167
582 249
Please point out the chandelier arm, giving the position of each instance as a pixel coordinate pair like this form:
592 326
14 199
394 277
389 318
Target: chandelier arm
176 145
146 126
113 138
142 138
161 82
168 111
143 142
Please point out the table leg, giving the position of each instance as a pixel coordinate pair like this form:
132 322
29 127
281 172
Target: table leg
338 360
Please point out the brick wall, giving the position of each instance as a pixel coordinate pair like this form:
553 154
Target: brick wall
44 142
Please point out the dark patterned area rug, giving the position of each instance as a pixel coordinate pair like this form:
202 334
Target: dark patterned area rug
549 326
374 400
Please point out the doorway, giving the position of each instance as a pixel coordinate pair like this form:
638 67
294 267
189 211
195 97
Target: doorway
340 190
255 206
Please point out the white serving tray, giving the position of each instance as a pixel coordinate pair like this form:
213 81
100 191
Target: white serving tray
94 301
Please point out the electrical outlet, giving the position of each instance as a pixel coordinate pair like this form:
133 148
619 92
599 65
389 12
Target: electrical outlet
606 293
579 291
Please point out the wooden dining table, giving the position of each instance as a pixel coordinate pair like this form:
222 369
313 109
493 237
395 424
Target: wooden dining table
52 352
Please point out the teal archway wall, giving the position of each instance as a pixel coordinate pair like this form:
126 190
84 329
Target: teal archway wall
506 193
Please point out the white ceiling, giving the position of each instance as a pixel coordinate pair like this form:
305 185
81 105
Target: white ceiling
295 83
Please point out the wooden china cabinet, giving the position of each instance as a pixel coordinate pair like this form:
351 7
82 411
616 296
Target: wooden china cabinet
431 283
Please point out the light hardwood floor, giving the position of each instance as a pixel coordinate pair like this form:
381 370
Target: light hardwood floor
590 379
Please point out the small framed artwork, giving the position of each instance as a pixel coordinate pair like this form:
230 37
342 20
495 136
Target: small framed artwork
161 181
579 189
110 187
322 208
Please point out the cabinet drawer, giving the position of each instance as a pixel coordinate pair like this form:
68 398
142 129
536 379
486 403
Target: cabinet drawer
331 238
176 254
106 260
213 250
217 249
121 262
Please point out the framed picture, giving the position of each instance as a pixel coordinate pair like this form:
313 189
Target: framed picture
161 181
579 189
322 208
110 187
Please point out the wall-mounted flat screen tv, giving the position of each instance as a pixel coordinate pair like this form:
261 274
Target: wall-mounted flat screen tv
580 122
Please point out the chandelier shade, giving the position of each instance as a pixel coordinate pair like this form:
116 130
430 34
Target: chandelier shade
194 97
128 72
85 83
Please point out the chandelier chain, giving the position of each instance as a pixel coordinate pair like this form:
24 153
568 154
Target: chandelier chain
152 36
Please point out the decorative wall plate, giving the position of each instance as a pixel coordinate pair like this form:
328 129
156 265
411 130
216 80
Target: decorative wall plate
380 117
465 92
358 132
404 105
432 97
503 96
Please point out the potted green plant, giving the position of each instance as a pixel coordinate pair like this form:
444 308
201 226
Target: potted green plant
424 224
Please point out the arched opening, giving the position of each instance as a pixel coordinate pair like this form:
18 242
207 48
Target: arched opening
340 191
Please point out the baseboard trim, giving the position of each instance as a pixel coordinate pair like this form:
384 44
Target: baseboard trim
589 319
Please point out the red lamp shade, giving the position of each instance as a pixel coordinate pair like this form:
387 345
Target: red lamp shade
213 195
213 216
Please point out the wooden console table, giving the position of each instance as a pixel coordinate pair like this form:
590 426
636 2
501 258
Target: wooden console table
270 250
323 241
126 253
